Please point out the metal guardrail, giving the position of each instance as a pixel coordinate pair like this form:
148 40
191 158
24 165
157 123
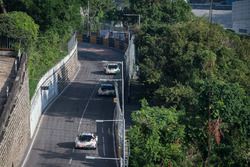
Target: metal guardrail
72 42
12 94
119 127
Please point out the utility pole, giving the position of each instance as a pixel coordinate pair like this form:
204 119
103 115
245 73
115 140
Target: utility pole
208 132
210 18
211 12
88 21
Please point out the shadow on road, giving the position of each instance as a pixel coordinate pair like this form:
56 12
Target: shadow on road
98 72
68 145
92 52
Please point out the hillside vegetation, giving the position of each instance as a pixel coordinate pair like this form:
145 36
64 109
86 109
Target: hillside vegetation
198 72
42 28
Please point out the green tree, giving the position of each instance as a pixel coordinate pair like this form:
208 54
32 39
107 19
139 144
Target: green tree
19 26
99 11
181 64
156 137
161 11
61 15
181 54
219 124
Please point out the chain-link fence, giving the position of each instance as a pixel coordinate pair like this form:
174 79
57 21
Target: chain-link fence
119 127
130 68
72 43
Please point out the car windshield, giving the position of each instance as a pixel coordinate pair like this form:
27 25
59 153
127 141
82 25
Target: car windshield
85 137
107 87
112 66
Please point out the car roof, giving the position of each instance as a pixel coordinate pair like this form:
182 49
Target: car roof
106 84
112 64
86 134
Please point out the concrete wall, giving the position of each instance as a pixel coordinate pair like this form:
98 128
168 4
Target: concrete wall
52 84
241 17
222 17
16 135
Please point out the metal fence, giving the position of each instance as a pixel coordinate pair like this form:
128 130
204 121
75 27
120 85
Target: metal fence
130 67
121 142
72 42
119 126
7 43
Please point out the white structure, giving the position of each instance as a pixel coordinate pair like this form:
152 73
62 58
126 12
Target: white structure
241 16
222 17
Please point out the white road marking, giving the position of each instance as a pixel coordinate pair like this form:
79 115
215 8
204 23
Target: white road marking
70 161
40 122
102 130
113 127
73 150
86 108
103 146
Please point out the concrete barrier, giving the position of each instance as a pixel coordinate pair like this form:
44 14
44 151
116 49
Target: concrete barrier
108 42
51 85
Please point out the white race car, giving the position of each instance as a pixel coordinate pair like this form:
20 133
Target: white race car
86 140
106 90
112 68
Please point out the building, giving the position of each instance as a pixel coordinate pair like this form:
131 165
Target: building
241 16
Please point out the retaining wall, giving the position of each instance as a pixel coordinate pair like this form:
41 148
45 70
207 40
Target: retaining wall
15 134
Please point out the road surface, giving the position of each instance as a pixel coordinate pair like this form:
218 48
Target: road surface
75 111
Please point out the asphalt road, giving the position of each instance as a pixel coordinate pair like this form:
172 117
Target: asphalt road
75 111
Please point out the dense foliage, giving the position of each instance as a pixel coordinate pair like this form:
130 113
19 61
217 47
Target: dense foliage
18 26
201 70
157 137
57 20
164 11
98 12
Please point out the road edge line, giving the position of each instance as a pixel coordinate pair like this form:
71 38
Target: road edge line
41 118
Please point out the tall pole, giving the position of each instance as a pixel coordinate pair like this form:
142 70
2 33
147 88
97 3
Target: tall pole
211 12
139 20
88 21
124 144
123 111
122 88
